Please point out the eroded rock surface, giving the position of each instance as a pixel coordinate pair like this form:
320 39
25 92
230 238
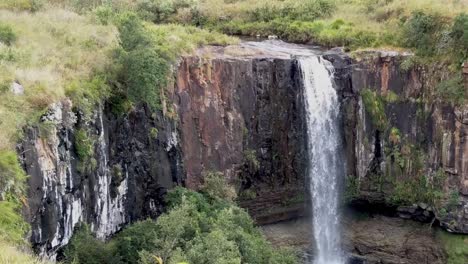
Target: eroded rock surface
239 110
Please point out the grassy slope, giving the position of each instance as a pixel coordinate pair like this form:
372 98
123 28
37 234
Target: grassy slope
53 48
12 255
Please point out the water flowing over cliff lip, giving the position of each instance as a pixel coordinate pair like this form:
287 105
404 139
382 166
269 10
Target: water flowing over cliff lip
271 49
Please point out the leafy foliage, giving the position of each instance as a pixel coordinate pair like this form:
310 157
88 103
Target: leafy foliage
459 34
420 32
7 36
146 75
84 248
375 106
84 148
216 187
452 90
198 228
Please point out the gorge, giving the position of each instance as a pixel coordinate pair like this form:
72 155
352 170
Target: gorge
249 111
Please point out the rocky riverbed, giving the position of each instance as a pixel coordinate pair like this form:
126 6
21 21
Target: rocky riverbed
368 239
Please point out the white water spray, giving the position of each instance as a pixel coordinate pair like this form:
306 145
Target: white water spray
325 165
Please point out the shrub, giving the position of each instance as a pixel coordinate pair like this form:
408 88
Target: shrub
104 14
216 187
145 76
84 248
307 10
84 148
459 35
196 229
132 34
452 90
375 106
87 95
135 238
21 5
420 32
212 248
7 36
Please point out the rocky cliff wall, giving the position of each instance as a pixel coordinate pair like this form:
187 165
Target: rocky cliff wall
124 180
239 110
244 117
239 116
407 149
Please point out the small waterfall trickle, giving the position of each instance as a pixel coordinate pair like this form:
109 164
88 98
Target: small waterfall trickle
325 166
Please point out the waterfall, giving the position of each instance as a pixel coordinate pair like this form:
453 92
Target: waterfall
325 166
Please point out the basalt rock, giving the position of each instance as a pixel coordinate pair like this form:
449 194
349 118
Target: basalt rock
124 180
240 110
420 155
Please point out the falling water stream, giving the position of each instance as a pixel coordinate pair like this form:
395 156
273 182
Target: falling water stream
325 166
322 110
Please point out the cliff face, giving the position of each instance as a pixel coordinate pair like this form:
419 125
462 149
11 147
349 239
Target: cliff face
244 117
240 111
408 150
131 172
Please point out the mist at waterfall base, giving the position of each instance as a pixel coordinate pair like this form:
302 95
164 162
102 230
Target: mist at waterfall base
325 166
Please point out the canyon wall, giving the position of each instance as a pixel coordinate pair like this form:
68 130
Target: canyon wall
240 111
408 149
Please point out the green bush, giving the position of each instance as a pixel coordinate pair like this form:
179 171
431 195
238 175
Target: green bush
84 145
84 248
7 35
132 33
308 10
87 95
421 31
21 5
138 237
452 90
145 76
216 187
104 14
459 35
375 106
84 149
197 228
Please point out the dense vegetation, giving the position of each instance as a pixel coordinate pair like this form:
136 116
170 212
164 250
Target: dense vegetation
121 51
204 227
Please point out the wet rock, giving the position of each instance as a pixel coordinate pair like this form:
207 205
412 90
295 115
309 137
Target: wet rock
61 195
373 240
431 131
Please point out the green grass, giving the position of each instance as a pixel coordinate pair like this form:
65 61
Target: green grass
456 247
12 255
53 49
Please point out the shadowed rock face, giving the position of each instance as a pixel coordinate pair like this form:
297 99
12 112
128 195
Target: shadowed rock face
240 110
244 117
422 139
131 172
